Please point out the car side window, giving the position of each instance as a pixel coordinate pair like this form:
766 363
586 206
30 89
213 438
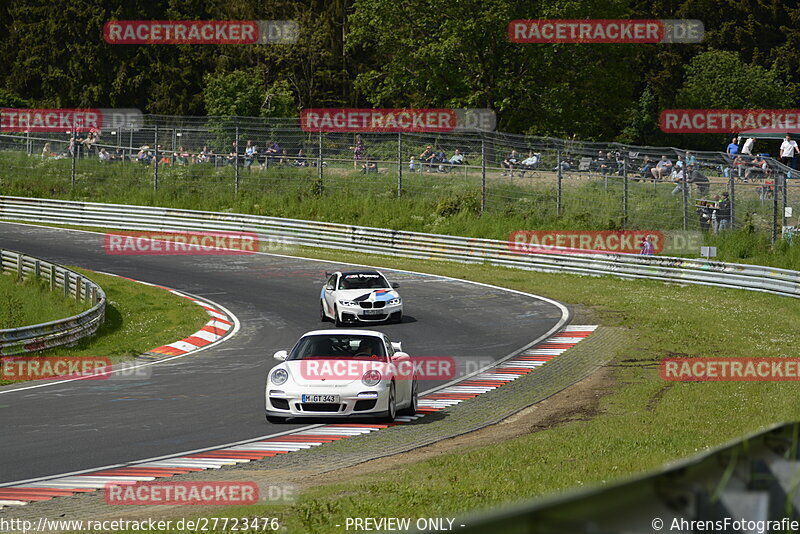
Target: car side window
331 283
389 348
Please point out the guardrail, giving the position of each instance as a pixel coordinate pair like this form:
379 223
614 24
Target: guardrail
406 244
748 485
55 333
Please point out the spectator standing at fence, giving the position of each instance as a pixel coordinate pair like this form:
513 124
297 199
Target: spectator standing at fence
788 150
700 180
766 190
359 151
663 168
732 149
647 246
747 149
232 154
46 151
724 212
412 165
250 153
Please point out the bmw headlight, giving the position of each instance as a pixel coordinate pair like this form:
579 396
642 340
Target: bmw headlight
394 302
279 376
371 378
347 303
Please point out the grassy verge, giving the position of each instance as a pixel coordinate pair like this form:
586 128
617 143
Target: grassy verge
437 203
31 302
642 423
138 318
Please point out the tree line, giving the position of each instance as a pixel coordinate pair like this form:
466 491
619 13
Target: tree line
411 53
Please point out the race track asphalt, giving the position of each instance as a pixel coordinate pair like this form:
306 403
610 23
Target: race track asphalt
216 396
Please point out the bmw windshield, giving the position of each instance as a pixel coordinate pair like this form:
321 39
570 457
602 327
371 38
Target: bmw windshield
363 281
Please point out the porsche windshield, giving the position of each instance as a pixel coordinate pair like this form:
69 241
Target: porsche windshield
338 346
363 281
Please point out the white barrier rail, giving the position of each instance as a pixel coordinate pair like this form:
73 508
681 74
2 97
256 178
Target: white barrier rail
398 243
54 333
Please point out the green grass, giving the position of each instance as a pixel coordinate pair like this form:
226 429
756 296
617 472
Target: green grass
446 204
138 318
642 423
31 302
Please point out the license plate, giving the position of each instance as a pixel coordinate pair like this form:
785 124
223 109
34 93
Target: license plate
320 398
373 312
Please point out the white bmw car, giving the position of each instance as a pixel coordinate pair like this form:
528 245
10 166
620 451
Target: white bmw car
344 372
360 296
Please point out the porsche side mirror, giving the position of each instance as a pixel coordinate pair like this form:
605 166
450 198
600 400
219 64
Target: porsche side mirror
281 355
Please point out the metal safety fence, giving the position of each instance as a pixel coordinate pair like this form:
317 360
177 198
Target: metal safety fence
54 333
559 183
398 243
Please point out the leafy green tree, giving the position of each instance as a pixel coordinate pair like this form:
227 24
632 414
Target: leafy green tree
237 93
720 79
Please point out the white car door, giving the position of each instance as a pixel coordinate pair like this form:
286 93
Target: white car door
329 293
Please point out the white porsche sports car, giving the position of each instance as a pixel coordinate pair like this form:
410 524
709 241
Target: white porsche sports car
360 296
344 372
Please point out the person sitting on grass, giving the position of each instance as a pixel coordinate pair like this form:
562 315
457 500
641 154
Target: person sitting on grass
369 166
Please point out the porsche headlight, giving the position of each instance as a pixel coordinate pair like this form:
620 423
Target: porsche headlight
394 302
347 303
371 378
279 376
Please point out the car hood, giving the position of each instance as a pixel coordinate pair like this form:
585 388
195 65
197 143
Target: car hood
332 373
371 295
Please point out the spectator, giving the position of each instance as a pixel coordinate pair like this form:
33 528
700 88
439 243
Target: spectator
181 157
788 150
369 167
766 190
46 151
511 162
738 167
439 159
758 165
647 246
412 165
690 158
283 157
119 155
457 158
300 159
426 156
700 180
250 153
747 149
359 151
663 168
679 177
143 156
529 164
677 169
724 212
646 168
231 159
204 156
605 163
104 155
733 148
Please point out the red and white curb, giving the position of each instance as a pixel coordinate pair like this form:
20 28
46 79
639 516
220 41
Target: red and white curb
508 371
217 328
